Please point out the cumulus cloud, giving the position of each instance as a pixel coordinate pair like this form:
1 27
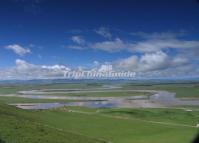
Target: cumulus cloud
79 43
56 67
78 40
149 45
104 32
155 55
151 42
25 70
149 62
154 61
19 50
129 63
105 68
22 65
157 64
110 46
159 44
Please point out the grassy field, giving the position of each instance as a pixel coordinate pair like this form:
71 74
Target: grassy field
120 129
13 88
9 100
168 115
90 125
181 90
188 90
17 126
106 94
84 125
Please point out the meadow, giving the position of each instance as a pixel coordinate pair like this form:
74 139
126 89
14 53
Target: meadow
93 125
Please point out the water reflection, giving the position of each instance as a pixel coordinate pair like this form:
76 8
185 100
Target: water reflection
156 100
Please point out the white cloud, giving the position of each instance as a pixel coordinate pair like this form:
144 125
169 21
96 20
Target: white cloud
159 44
104 32
151 42
78 40
19 50
150 57
157 64
129 63
105 68
76 47
109 46
144 46
25 70
56 67
80 43
155 61
22 65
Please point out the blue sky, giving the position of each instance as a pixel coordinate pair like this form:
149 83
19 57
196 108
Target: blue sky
160 35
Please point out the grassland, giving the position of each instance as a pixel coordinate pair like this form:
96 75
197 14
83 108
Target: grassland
106 94
120 129
17 126
181 90
10 100
90 125
187 90
84 125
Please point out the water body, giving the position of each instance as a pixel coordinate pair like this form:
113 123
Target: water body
90 104
156 100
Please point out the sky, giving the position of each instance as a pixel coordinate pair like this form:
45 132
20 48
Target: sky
45 38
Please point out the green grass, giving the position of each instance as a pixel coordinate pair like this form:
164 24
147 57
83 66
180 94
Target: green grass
10 100
106 94
13 88
90 125
169 115
109 127
17 126
181 90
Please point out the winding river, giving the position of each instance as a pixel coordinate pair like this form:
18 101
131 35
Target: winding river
156 99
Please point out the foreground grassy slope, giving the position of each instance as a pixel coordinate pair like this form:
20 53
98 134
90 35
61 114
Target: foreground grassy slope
17 126
84 125
121 130
167 115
